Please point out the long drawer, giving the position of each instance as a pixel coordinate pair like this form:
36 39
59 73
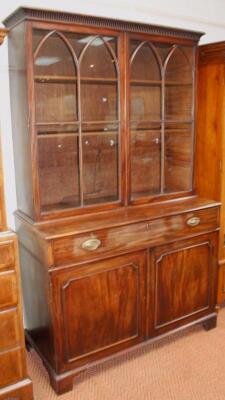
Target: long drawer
72 249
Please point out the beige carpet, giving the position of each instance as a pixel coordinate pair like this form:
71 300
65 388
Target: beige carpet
189 365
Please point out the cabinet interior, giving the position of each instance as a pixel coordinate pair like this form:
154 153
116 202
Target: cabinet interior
79 119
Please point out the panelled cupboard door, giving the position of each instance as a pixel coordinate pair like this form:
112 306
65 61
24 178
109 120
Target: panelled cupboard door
183 280
100 308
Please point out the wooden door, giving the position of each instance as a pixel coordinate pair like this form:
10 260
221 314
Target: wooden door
183 282
100 308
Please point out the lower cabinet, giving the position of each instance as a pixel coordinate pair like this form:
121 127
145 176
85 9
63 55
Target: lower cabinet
101 307
108 305
183 282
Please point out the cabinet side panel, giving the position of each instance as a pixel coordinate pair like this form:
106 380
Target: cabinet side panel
20 117
36 302
210 166
209 121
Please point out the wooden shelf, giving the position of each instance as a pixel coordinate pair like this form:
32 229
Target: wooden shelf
75 134
147 82
116 121
62 123
170 121
145 121
54 135
135 82
175 83
72 79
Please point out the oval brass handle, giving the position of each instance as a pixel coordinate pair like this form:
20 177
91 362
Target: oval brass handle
91 244
194 221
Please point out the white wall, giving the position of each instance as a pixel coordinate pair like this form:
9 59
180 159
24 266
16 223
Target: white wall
202 15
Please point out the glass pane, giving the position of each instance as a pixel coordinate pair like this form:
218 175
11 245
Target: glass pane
145 124
178 103
98 61
100 132
145 84
99 92
145 163
100 166
99 101
179 66
56 102
58 171
77 41
145 103
56 122
144 63
54 57
179 85
55 81
163 50
178 160
145 90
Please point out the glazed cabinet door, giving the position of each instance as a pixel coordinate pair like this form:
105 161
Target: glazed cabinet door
183 282
100 308
161 110
77 124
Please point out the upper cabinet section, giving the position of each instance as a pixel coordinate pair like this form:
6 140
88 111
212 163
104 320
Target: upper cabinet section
103 113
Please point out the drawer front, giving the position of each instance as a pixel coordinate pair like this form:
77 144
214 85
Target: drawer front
139 235
8 289
7 255
9 329
11 367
